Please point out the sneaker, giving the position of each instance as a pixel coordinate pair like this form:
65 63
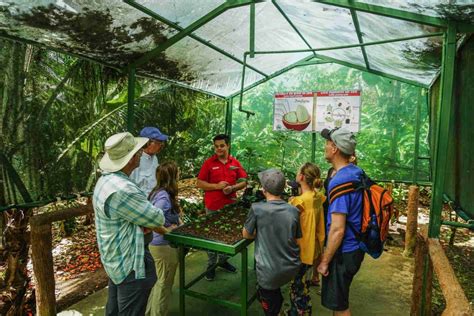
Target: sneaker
210 275
228 267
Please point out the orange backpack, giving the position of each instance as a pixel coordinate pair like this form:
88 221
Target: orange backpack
377 210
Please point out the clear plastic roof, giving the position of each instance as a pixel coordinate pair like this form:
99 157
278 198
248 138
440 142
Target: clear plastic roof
210 55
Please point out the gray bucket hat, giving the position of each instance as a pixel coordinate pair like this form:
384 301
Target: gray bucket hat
342 138
273 181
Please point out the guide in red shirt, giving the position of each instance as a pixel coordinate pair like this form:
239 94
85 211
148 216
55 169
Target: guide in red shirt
220 177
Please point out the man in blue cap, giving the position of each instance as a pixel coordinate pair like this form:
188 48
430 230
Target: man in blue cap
145 174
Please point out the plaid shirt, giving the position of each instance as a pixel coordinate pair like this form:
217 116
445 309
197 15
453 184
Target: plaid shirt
120 209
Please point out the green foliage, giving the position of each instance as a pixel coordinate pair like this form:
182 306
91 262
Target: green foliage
385 143
65 108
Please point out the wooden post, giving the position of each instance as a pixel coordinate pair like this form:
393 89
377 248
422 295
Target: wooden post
422 262
42 257
457 303
412 221
41 253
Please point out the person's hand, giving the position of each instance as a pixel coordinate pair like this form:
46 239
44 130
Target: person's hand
323 269
161 230
228 189
221 185
172 226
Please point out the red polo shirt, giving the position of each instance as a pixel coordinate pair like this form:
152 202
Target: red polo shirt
214 171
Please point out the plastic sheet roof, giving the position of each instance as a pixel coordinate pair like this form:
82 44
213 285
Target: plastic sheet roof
201 44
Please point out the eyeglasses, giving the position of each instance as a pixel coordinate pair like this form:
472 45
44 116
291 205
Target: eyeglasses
157 142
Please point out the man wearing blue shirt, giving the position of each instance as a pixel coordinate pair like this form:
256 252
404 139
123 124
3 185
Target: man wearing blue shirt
342 258
121 211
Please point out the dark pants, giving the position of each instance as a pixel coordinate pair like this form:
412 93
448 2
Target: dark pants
335 287
130 297
271 301
214 257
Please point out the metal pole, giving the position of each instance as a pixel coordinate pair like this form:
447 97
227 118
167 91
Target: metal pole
417 136
244 282
131 99
242 89
182 280
227 103
401 39
447 85
313 147
430 130
252 30
441 143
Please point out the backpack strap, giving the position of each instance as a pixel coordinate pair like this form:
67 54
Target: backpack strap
343 188
346 188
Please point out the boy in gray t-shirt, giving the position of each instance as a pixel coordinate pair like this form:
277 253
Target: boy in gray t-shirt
275 226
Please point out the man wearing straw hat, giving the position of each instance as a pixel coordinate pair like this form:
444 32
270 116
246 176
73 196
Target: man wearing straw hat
121 210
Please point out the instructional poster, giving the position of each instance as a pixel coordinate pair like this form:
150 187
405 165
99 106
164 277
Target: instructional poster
338 109
315 111
293 111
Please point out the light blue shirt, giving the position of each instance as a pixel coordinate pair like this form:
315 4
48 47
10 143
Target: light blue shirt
120 209
145 174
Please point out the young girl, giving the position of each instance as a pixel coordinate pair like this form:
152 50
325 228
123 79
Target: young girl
165 197
310 204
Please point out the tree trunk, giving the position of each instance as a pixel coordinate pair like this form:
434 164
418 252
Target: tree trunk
12 295
15 231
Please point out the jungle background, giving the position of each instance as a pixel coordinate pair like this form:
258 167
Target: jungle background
56 111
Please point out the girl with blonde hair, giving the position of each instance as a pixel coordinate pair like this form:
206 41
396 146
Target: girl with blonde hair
310 205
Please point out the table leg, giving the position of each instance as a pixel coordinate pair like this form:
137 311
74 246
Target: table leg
181 281
244 283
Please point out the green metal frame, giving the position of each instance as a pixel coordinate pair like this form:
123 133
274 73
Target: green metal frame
292 24
252 30
401 39
193 36
228 117
188 30
131 100
416 154
242 84
442 137
386 11
183 241
324 58
355 20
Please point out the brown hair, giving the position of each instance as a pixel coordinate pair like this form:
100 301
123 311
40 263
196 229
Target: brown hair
312 175
167 179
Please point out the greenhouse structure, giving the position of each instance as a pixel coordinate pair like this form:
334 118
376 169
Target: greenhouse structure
228 48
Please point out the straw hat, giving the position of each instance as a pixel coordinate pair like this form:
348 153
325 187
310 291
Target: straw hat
119 149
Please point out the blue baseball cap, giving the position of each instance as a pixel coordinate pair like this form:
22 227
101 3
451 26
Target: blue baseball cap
153 133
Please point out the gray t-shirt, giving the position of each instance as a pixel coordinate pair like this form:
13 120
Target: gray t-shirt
277 254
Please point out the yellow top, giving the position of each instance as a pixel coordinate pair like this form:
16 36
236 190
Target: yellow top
310 205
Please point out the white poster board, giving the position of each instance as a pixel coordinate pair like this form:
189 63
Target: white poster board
293 111
338 109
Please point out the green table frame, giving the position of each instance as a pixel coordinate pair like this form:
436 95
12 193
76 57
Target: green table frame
182 241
